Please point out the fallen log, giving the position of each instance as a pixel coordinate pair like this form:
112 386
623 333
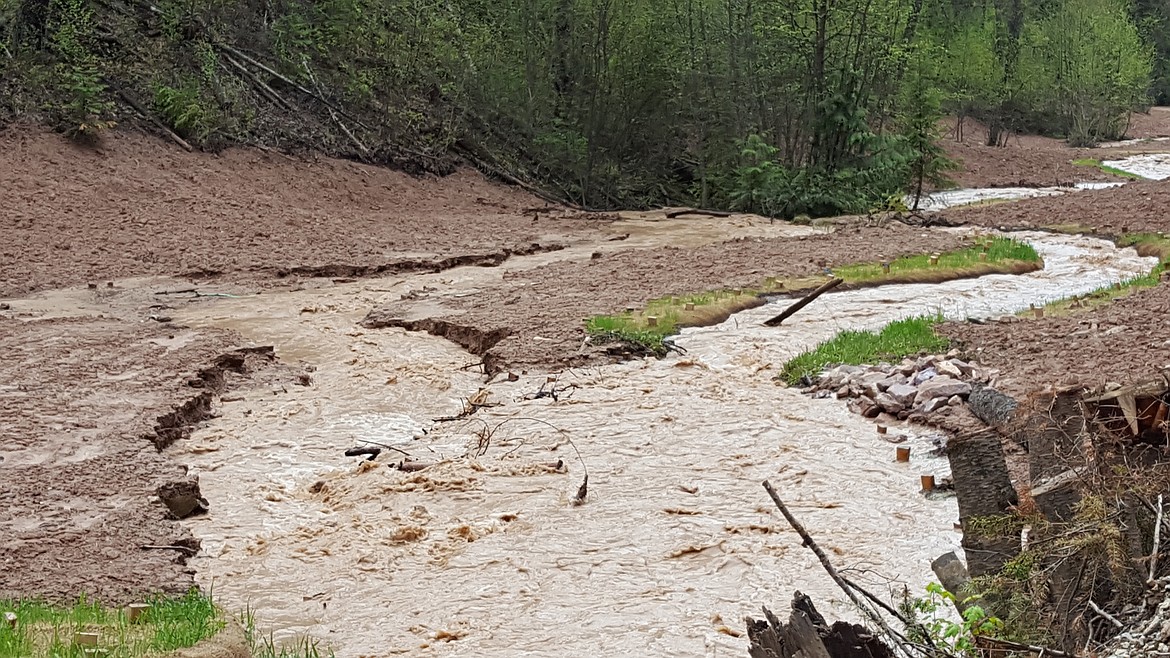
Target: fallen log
807 634
695 211
808 299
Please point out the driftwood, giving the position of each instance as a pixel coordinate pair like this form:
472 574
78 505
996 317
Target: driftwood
695 211
808 299
807 634
851 592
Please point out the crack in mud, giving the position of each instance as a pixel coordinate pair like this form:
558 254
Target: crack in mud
417 266
178 424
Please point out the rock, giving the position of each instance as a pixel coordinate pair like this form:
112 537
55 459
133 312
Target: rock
949 369
941 387
182 497
903 393
867 407
924 375
933 404
892 380
889 403
954 401
966 369
843 392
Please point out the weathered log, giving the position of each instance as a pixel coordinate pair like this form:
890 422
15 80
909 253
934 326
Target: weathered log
991 406
1054 435
985 496
808 635
808 299
695 211
952 575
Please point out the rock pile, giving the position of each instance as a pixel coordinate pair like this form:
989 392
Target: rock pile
1151 636
916 385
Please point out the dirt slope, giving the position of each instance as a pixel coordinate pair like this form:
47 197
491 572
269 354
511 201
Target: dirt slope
138 206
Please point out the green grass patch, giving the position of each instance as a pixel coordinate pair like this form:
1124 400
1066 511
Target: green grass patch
670 314
50 631
44 630
999 251
1091 162
896 340
665 316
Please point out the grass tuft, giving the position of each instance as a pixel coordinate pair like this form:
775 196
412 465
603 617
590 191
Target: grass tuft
1091 162
896 340
265 646
49 631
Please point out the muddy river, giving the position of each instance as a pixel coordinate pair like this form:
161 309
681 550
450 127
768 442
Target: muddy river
483 554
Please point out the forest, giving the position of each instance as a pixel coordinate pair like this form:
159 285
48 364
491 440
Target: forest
781 107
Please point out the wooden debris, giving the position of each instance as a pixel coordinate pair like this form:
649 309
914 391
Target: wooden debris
695 211
808 299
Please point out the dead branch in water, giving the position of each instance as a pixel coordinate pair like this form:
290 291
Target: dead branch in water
174 547
808 299
895 638
486 433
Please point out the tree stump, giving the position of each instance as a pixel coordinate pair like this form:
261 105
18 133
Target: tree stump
986 496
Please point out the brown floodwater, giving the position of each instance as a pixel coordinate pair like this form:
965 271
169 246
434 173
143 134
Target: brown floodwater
482 552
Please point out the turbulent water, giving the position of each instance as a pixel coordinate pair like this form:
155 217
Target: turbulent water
482 554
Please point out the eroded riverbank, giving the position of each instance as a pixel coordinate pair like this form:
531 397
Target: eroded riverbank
481 553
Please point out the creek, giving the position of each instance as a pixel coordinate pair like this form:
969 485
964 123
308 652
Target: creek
483 554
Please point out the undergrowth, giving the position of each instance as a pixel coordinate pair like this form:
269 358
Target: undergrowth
1091 162
896 340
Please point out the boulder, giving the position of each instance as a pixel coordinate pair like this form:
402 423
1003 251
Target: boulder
949 369
941 387
889 403
867 407
924 375
933 404
903 393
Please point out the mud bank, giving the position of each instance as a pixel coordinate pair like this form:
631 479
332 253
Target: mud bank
86 400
